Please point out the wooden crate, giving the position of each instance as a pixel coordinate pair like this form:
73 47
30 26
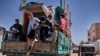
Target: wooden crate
47 47
3 46
21 47
42 47
54 48
38 47
14 47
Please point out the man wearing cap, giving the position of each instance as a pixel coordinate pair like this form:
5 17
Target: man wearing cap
31 32
16 30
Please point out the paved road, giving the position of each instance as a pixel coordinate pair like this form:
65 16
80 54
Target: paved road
72 54
75 54
2 55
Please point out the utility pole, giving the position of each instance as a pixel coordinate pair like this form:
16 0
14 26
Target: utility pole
61 3
64 4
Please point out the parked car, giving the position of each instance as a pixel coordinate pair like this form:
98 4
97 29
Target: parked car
75 49
86 50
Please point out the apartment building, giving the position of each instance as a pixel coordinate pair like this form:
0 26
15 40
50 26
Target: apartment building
94 32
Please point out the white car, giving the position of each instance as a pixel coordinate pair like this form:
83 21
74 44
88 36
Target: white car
75 49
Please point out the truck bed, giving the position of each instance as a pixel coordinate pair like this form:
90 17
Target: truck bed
61 47
21 47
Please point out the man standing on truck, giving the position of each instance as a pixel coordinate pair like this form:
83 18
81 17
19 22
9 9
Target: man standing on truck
31 33
62 23
16 30
51 19
45 28
54 33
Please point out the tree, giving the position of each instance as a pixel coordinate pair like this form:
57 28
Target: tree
82 42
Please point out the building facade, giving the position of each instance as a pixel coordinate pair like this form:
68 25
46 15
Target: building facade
94 32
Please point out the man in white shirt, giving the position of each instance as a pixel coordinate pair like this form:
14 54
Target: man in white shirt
32 30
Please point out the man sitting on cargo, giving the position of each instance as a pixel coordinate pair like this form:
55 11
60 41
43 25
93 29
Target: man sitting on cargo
32 30
54 33
45 28
16 30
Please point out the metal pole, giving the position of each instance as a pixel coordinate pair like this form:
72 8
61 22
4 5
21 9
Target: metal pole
64 4
61 3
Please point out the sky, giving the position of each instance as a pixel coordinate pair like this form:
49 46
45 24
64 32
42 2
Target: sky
83 14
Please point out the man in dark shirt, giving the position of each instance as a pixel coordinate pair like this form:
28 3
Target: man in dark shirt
45 28
16 30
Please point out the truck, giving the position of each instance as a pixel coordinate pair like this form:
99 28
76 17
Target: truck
96 45
86 50
19 48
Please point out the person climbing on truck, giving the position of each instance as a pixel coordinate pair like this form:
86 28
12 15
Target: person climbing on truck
51 19
45 29
31 33
16 30
54 34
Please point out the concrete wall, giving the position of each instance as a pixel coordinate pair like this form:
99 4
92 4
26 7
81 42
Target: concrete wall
91 33
97 31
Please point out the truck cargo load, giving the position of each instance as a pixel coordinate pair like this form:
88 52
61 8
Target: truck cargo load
61 47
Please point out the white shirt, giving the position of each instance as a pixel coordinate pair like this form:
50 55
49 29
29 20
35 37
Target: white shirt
53 36
31 24
52 21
